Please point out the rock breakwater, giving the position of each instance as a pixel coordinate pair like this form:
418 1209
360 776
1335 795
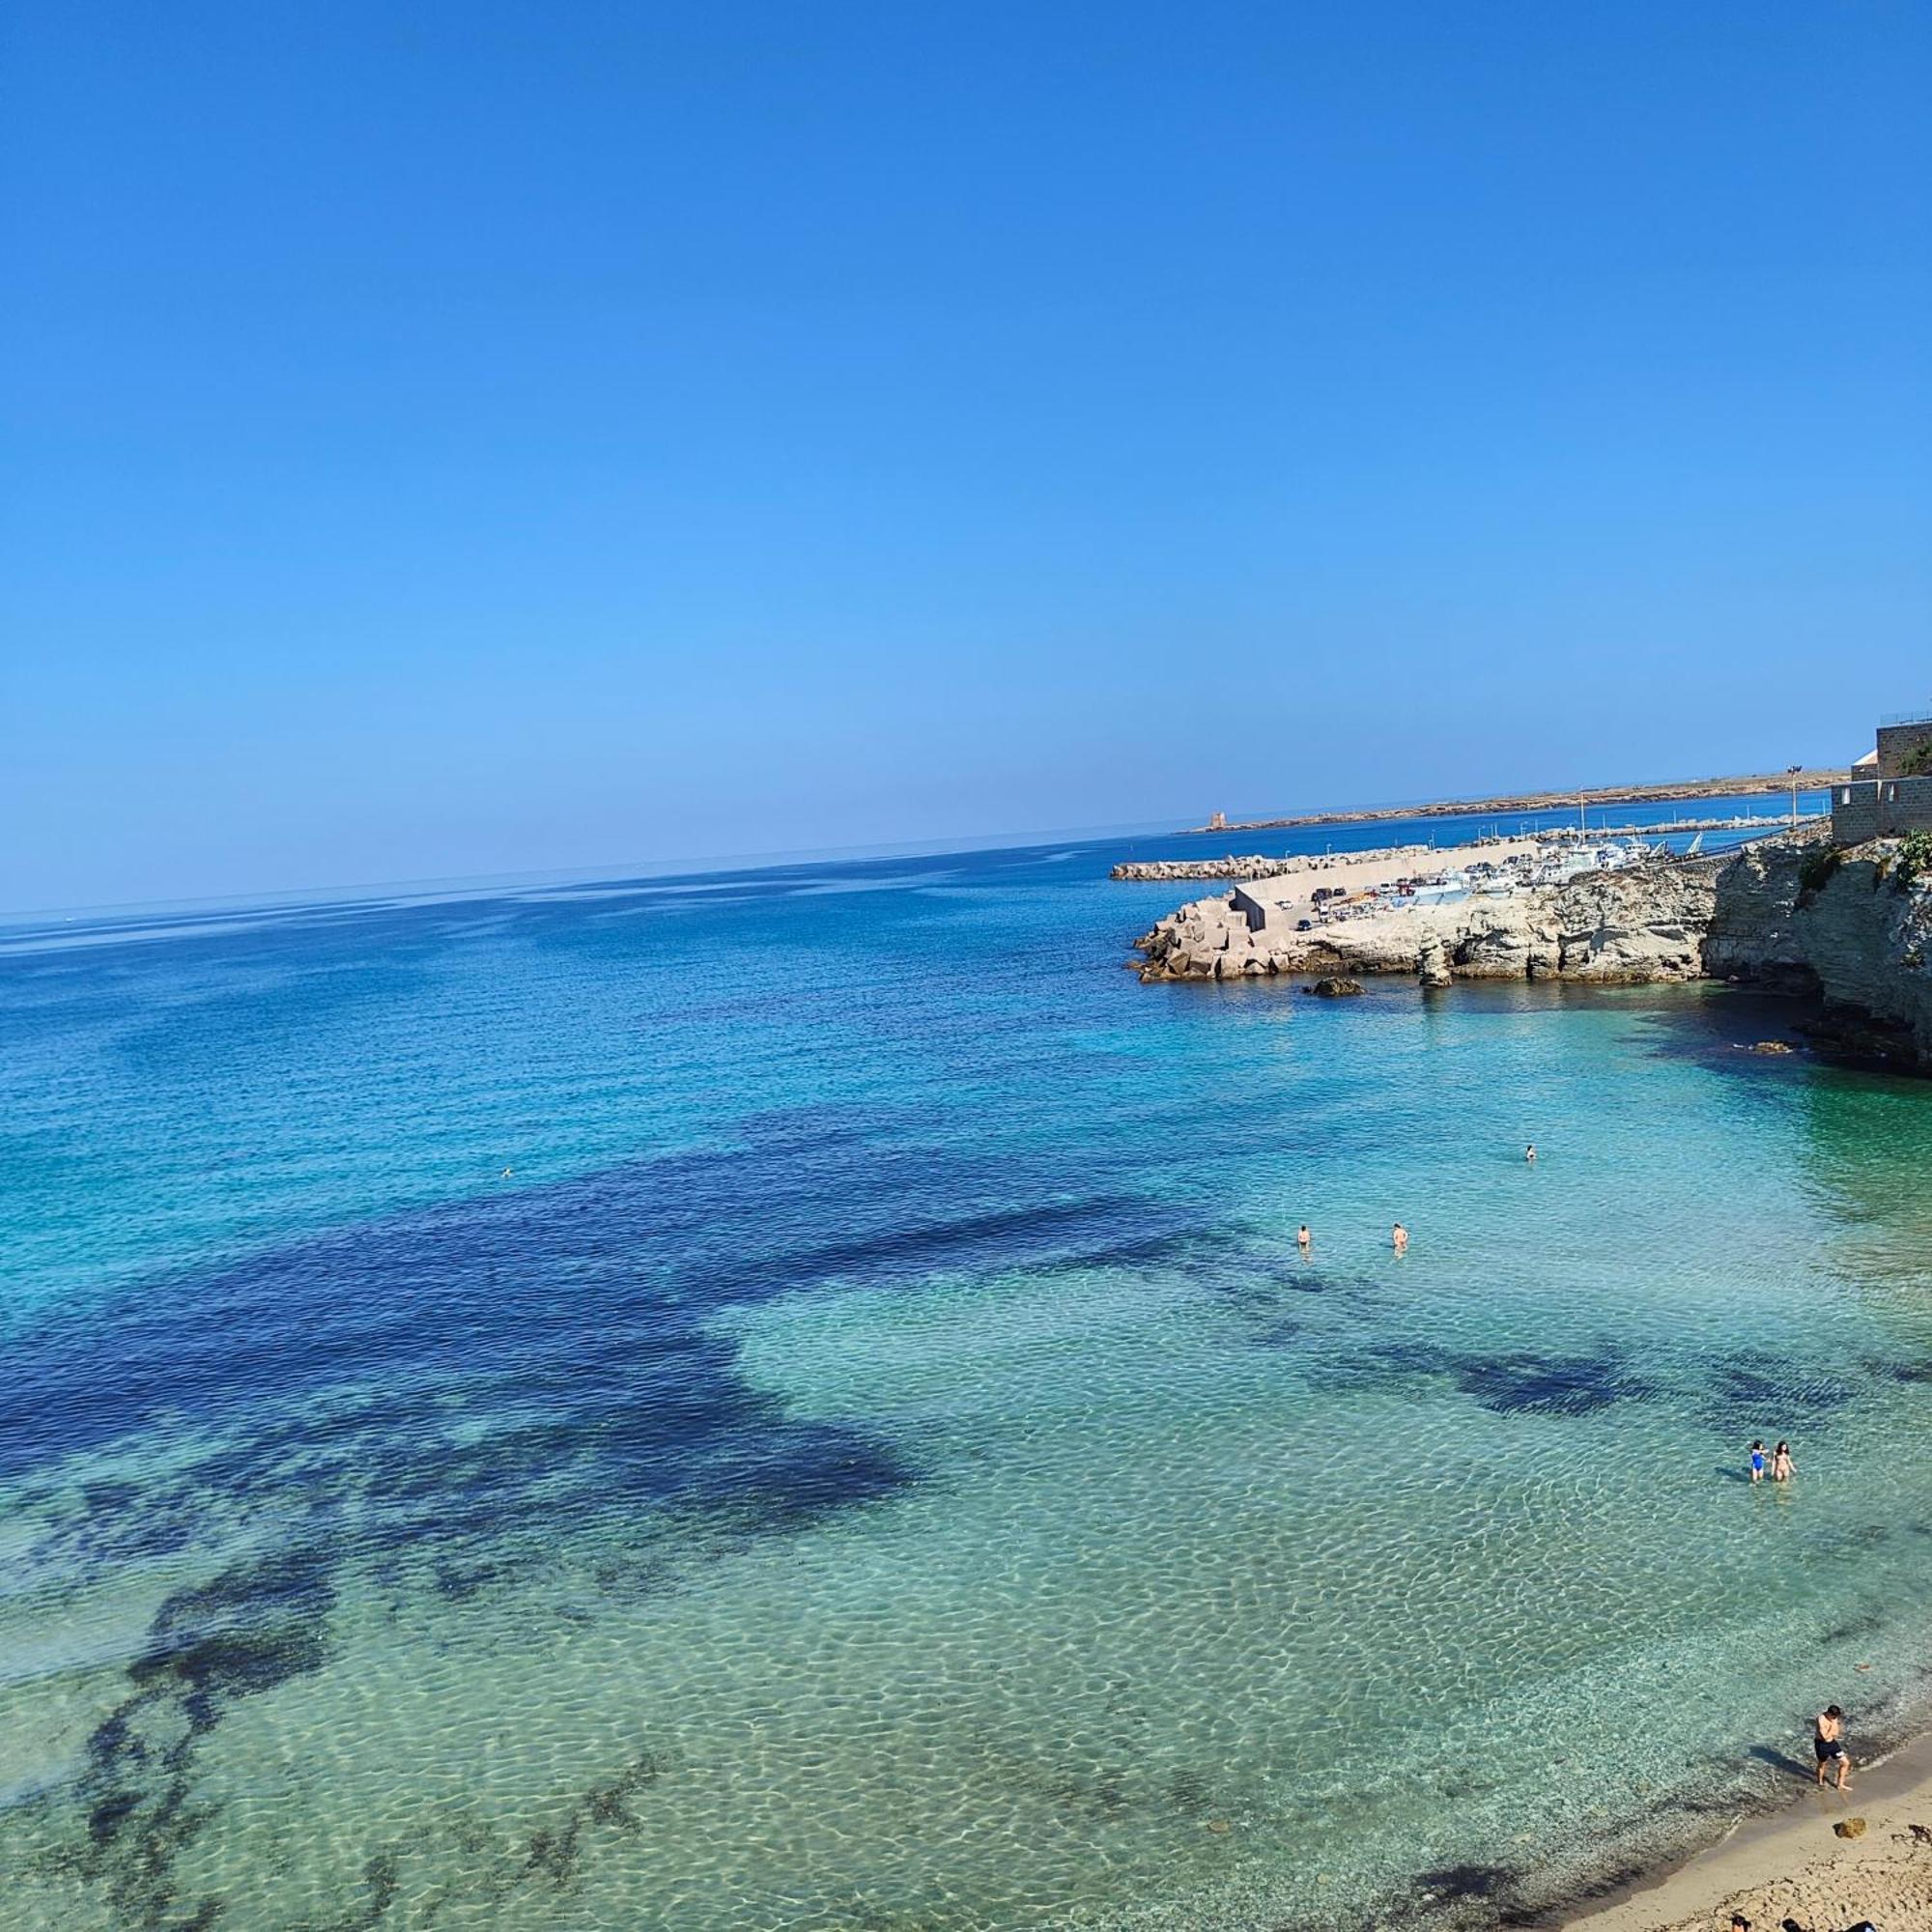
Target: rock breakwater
1256 865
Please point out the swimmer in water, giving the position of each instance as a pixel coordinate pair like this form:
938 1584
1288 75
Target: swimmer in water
1782 1467
1303 1239
1529 1153
1757 1461
1399 1238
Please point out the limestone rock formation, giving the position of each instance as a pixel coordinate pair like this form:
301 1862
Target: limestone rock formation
1335 988
1855 936
1645 924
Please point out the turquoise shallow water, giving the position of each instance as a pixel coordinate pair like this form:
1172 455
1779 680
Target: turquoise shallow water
878 1458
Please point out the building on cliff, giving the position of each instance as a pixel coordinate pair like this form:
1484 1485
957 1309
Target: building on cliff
1897 796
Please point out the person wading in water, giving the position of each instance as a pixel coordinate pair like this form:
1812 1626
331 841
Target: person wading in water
1829 1743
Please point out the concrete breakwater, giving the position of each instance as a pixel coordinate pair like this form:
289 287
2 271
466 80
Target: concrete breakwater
1791 913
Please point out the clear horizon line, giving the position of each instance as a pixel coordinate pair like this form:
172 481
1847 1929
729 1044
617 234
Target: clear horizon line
696 864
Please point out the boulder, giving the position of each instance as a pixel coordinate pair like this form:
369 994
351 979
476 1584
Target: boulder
1850 1828
1334 988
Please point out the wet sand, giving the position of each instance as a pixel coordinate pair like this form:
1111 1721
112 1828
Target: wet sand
1793 1866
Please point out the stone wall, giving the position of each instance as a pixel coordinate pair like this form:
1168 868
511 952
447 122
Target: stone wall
1898 742
1854 812
1880 808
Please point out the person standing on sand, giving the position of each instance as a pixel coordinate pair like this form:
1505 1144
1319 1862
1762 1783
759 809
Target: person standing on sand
1303 1239
1828 1741
1782 1467
1757 1461
1399 1239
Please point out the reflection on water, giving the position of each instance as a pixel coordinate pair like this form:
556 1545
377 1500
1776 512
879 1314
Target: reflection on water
879 1459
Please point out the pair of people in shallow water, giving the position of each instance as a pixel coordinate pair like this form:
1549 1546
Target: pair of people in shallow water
1398 1234
1398 1239
1782 1467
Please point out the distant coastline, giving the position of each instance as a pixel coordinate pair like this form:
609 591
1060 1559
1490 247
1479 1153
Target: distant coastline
1808 779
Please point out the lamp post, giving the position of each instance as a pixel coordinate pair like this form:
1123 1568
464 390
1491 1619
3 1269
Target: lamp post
1791 772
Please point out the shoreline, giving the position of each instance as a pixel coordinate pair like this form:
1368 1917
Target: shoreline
1787 1862
1750 786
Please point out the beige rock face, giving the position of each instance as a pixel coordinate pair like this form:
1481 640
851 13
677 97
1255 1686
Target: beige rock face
1858 940
1854 937
1645 924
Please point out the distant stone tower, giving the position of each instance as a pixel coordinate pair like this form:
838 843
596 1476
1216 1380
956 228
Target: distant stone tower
1218 823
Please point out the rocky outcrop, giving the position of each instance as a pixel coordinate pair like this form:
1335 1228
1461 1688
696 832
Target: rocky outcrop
1855 935
1432 960
1335 988
1645 924
1752 932
1781 913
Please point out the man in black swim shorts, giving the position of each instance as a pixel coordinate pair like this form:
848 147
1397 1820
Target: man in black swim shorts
1827 1741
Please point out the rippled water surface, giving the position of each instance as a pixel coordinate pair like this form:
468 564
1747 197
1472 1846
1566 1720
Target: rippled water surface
876 1458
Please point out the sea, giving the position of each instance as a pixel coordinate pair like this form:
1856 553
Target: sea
789 1398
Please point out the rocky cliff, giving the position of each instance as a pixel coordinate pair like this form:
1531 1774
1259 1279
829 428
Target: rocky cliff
1645 924
1845 926
1785 913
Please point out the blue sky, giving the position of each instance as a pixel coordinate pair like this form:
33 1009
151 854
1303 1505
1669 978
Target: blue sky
469 438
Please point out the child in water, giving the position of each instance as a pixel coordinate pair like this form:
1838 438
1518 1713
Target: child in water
1757 1461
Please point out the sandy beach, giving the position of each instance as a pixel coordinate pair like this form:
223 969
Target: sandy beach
1793 1867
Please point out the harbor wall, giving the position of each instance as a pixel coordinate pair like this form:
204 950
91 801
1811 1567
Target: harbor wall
1882 807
